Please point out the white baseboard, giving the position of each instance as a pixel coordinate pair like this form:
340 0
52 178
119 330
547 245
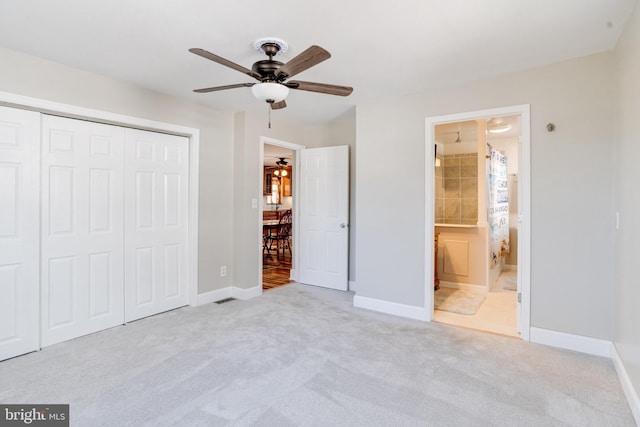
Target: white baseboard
388 307
465 286
594 346
627 386
352 285
241 293
228 292
213 296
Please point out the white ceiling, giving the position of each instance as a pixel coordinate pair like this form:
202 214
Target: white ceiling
379 48
446 134
273 153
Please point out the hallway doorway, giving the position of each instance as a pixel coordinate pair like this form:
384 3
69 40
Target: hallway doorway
277 208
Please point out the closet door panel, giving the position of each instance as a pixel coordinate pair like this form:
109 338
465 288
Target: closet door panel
19 231
156 226
82 228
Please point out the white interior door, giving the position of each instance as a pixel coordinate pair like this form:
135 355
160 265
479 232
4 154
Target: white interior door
19 231
324 217
82 228
156 223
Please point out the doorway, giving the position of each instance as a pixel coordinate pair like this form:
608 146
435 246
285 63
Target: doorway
478 220
277 216
319 240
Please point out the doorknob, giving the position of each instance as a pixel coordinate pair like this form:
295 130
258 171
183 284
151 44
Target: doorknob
343 225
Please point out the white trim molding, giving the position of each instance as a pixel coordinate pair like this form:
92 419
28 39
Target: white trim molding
588 345
388 307
293 274
465 286
228 292
242 293
213 296
352 285
627 386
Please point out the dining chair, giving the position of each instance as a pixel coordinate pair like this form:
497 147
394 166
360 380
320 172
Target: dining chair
282 235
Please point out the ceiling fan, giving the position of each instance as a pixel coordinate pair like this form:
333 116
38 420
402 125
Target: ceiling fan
273 86
281 164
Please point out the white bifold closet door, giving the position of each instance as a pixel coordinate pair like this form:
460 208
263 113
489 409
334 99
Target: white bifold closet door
114 226
82 228
19 238
156 226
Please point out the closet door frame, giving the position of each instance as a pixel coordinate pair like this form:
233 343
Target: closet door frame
193 134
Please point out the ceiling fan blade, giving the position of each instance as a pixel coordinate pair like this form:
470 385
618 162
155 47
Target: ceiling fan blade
220 60
278 105
217 88
320 88
307 59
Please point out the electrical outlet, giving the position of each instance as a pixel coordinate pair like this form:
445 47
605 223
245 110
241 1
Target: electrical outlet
223 271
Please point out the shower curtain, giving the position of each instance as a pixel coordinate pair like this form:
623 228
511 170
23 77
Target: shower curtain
498 206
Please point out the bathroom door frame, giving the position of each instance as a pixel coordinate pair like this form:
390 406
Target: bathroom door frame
524 196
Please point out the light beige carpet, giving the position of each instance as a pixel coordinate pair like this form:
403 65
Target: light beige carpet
304 356
458 300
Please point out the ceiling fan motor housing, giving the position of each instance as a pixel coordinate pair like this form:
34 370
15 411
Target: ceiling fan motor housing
267 69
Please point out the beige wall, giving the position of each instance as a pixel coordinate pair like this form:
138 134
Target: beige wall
229 153
571 218
30 76
627 176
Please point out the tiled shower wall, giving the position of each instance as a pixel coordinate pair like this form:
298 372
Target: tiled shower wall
460 189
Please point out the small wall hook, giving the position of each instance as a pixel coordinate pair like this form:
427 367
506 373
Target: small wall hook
551 127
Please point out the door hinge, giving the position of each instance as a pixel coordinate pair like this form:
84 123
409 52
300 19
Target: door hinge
519 297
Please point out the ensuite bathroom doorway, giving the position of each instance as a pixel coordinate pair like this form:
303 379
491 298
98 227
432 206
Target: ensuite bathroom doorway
476 221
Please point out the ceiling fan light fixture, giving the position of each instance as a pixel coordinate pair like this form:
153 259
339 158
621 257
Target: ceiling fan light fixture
498 125
270 92
500 129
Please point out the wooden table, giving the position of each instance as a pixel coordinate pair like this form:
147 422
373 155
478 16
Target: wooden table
270 224
268 227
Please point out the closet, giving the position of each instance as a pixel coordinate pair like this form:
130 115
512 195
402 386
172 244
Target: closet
93 230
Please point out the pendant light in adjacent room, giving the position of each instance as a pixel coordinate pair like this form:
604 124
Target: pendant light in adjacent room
458 140
281 171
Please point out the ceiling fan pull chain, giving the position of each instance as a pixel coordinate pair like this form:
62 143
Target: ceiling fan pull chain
269 108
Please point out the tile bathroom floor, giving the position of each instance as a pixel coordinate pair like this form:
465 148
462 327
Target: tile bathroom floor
497 314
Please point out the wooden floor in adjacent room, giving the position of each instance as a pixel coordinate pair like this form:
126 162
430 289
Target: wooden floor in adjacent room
275 271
